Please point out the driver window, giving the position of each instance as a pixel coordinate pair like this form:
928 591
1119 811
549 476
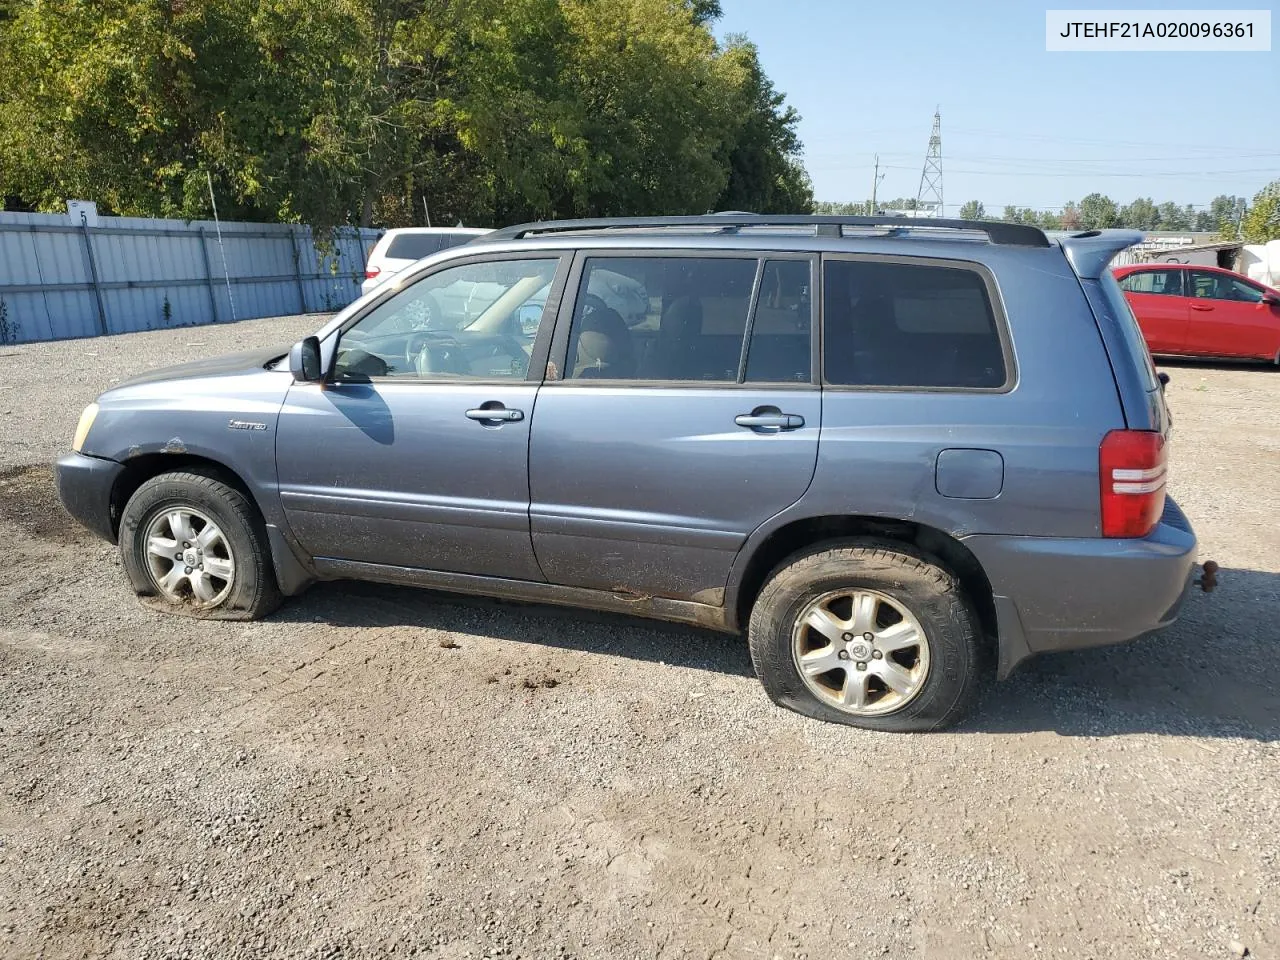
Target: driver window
475 321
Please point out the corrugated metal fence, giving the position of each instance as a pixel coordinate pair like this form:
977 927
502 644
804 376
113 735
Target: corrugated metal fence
60 279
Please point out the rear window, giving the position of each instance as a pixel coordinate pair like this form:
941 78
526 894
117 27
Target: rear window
909 325
415 246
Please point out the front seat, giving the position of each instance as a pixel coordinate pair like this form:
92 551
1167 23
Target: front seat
602 347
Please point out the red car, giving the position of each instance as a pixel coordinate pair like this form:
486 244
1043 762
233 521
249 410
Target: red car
1190 311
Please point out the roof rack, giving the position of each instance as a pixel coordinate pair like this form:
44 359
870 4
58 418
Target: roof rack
1012 234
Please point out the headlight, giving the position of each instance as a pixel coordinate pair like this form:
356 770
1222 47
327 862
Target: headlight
82 428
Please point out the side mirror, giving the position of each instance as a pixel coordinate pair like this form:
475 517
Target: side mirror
1271 298
304 360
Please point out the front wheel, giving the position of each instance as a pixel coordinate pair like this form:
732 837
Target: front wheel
869 634
195 545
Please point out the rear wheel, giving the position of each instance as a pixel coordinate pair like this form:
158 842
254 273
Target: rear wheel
194 544
870 634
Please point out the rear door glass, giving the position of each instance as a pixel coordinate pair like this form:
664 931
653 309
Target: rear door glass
660 318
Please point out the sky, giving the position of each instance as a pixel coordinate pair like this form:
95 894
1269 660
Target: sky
1020 125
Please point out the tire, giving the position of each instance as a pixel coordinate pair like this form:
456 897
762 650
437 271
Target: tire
245 589
928 686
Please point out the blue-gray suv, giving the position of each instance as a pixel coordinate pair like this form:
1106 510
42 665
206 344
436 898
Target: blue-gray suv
901 455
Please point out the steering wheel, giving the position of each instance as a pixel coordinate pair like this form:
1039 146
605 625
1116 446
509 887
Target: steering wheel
435 353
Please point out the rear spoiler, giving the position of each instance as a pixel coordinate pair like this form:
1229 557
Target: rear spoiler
1090 252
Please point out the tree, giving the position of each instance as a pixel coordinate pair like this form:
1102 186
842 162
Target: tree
765 174
1262 223
1221 211
1174 217
1050 220
1070 218
356 110
1141 214
1098 212
973 210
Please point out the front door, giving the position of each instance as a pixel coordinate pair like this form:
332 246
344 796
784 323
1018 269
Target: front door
669 434
414 453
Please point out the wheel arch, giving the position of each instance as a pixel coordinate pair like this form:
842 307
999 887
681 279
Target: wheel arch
804 533
138 470
293 571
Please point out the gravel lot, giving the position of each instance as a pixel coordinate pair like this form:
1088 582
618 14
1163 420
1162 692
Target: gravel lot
386 772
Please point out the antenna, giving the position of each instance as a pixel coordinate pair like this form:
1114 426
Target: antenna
231 300
929 196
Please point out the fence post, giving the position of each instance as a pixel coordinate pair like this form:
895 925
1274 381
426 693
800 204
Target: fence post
93 275
208 277
297 270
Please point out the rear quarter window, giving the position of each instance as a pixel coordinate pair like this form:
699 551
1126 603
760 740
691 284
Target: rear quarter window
893 324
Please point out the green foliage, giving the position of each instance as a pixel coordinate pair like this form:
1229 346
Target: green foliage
1098 212
1262 223
1141 214
166 311
973 210
354 110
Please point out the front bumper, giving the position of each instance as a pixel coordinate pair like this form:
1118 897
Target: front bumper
1068 593
85 484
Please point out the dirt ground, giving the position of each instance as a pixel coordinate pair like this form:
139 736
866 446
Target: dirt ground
381 772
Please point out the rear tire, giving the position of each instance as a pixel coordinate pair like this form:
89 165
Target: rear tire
192 544
868 633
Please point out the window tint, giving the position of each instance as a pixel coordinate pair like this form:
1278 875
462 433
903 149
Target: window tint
779 348
660 318
1166 282
896 324
415 246
475 320
1220 286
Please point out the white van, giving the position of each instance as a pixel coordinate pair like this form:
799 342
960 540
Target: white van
396 249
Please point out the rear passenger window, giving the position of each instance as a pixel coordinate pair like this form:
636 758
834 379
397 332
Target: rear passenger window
1163 282
909 325
779 349
660 318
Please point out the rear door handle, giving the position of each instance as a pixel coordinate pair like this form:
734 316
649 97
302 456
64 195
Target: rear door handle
1201 306
769 421
495 414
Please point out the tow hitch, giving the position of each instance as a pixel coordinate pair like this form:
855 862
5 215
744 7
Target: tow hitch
1208 576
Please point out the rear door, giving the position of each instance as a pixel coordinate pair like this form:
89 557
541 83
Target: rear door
1228 317
1159 301
661 441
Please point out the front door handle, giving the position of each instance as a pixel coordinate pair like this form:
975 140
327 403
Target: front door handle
762 420
1201 306
496 413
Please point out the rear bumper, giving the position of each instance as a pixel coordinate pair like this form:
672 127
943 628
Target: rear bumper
85 484
1065 594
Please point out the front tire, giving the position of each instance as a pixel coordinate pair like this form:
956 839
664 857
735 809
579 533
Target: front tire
867 633
192 544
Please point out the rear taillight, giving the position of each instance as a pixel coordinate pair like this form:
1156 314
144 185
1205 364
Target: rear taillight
371 272
1132 467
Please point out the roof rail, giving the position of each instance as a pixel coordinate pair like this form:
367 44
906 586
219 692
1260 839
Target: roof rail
1014 234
